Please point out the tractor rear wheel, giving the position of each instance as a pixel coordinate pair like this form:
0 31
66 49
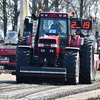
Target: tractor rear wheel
72 65
22 41
87 72
23 58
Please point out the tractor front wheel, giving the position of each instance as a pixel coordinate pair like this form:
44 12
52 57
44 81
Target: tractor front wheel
87 72
23 58
72 65
22 41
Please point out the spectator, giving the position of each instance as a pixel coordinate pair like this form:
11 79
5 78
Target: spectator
78 32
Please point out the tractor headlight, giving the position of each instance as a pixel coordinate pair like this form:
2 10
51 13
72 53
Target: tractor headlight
54 45
60 15
46 15
64 15
40 45
42 14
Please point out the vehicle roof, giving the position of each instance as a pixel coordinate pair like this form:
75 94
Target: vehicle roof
12 32
55 14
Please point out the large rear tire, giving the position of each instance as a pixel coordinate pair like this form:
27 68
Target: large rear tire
87 72
23 58
22 41
72 65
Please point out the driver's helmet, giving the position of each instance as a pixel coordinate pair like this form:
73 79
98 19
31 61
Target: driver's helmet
77 30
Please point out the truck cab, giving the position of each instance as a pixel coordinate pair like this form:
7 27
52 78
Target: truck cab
11 37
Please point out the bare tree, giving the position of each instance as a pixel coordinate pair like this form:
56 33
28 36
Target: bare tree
9 11
16 13
5 16
13 13
45 5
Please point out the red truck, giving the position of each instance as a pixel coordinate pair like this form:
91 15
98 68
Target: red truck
8 56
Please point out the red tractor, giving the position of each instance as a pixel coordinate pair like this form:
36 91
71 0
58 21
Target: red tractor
54 53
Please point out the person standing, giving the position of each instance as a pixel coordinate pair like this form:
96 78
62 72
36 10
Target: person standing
78 32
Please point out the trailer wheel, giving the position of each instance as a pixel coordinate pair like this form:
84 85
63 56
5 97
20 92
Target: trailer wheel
23 58
72 65
22 41
87 72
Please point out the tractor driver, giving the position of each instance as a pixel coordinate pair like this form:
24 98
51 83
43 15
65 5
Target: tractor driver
56 26
78 32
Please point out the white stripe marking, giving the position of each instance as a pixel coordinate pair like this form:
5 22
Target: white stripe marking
82 41
25 46
8 47
45 72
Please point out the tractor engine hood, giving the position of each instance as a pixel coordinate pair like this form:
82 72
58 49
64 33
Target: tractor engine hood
48 46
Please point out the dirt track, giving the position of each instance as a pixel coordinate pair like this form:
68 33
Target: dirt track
29 91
